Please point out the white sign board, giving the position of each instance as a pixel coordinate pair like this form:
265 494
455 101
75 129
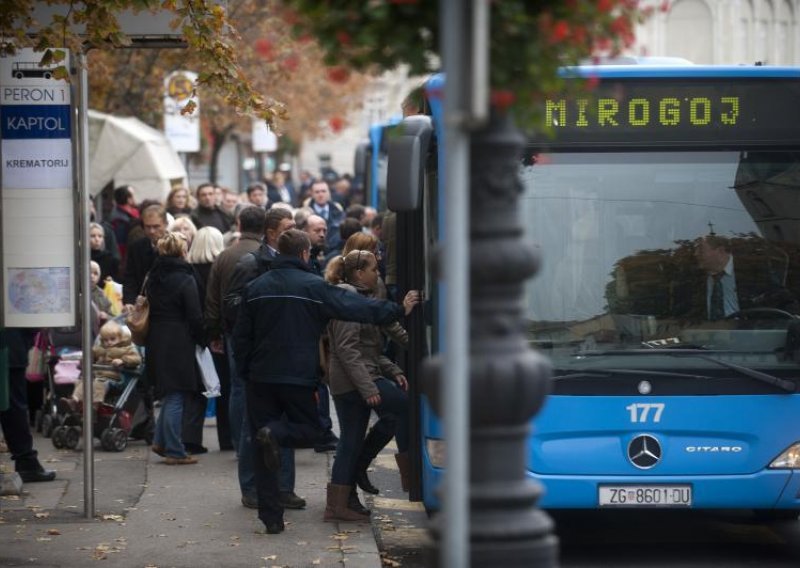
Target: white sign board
37 186
264 139
183 131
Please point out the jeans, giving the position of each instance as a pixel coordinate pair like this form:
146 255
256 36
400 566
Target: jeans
168 425
242 441
353 415
291 414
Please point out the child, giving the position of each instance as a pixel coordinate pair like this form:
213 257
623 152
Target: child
115 350
98 296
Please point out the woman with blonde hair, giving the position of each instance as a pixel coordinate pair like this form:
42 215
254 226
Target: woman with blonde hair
184 226
176 328
205 247
362 379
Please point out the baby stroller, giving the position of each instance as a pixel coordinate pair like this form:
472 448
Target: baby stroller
60 375
123 413
121 416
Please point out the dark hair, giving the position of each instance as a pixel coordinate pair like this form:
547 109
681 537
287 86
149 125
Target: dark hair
356 211
203 186
254 186
293 243
377 221
148 203
122 194
252 219
275 216
349 227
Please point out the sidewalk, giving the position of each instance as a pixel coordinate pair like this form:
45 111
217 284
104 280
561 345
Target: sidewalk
152 515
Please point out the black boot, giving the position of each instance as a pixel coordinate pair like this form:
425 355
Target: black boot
354 504
377 438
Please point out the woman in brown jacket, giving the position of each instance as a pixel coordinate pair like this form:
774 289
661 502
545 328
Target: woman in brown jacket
362 379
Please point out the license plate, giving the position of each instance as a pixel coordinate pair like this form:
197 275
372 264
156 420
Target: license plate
645 495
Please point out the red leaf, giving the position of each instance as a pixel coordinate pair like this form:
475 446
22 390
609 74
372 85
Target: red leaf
264 48
338 74
336 123
343 37
291 62
502 99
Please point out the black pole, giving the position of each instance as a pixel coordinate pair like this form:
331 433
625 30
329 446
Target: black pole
508 380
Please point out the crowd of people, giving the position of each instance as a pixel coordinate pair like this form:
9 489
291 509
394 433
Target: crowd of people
287 286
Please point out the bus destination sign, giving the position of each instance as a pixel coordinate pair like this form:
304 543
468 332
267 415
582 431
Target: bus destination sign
736 113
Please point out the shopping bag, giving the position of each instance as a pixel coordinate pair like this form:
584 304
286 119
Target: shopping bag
208 372
37 358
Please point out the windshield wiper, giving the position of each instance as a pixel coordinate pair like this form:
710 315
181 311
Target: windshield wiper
605 373
783 384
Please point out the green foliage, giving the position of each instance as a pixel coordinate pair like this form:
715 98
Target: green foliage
530 40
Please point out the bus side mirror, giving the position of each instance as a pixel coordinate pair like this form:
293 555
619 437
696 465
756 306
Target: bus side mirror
408 147
360 164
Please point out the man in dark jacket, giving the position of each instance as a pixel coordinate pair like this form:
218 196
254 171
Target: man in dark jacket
276 347
208 213
142 253
14 420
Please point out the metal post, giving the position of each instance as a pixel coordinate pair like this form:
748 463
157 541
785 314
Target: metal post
455 552
85 288
508 377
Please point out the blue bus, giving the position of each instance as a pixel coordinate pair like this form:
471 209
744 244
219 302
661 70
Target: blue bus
667 206
371 159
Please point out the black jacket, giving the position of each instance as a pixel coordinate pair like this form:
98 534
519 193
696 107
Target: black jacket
109 265
141 256
176 326
216 217
283 315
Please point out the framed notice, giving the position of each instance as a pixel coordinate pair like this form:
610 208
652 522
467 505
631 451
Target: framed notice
37 186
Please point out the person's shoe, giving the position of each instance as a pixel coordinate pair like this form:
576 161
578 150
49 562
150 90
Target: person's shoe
275 528
289 500
187 460
250 501
270 451
327 444
159 450
336 507
37 475
195 449
354 503
362 480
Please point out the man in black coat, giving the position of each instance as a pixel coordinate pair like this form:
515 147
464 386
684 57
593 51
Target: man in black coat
208 213
276 347
14 420
142 253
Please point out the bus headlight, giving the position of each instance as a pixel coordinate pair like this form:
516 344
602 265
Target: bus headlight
789 459
436 451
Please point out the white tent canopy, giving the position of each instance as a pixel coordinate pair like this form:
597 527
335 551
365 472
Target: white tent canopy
126 151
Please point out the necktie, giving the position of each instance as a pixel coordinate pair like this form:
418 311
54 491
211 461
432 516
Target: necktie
716 308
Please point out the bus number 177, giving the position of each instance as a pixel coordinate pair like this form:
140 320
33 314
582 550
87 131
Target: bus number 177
645 411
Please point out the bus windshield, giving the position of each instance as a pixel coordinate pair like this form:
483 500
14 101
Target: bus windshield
646 250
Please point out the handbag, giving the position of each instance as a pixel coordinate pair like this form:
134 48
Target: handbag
138 320
38 356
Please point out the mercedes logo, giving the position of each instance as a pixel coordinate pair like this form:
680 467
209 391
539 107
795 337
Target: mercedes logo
644 451
645 387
